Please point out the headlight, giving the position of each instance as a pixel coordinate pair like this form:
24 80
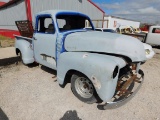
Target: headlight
147 51
115 72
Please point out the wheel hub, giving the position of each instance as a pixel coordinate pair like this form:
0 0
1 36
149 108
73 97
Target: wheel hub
84 87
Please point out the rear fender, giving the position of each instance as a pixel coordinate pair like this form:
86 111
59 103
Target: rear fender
25 47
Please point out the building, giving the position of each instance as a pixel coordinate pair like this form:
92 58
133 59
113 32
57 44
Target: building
26 9
113 22
2 3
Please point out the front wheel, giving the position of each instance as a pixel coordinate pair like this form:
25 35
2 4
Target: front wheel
83 89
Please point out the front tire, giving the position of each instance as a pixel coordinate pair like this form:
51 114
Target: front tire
83 89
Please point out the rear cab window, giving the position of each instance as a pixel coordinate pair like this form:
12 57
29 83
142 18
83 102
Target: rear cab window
156 30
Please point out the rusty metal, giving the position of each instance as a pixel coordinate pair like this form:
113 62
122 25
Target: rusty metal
25 28
134 66
123 88
118 101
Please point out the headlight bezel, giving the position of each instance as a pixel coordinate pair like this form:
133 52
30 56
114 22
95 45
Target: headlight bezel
115 72
147 51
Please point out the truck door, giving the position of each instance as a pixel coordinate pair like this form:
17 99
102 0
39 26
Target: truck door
153 37
45 41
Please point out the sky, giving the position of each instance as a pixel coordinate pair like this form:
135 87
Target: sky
146 11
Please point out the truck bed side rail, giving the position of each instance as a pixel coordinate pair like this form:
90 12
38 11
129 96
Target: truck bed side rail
141 37
25 28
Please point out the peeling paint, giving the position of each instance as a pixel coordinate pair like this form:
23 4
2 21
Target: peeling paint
96 82
85 55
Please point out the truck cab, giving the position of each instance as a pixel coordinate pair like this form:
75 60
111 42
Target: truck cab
99 65
49 29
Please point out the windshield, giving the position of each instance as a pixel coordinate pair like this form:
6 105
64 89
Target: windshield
72 22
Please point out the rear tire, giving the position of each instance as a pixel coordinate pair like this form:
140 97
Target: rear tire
83 88
21 56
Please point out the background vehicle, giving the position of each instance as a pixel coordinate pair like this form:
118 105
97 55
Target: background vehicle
96 63
153 36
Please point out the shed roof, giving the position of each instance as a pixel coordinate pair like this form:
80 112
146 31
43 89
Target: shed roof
120 18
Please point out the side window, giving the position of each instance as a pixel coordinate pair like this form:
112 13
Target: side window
156 30
87 23
45 25
61 23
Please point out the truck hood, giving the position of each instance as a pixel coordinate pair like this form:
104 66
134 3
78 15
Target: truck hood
112 43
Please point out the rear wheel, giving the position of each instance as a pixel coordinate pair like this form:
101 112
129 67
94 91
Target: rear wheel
83 89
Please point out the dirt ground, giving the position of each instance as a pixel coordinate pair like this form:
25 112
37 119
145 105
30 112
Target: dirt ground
32 93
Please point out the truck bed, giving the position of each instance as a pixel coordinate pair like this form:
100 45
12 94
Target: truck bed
140 36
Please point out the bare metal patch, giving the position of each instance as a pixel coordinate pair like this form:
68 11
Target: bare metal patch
96 82
85 55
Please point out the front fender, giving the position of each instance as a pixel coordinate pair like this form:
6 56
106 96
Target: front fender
97 67
25 48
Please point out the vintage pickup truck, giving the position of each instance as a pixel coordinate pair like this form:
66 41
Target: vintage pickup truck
100 66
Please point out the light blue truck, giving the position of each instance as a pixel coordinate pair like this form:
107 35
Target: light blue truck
101 67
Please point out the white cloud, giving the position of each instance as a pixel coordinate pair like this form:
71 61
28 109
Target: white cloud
149 10
140 10
133 6
123 12
110 6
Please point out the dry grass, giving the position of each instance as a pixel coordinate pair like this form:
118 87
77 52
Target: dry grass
6 42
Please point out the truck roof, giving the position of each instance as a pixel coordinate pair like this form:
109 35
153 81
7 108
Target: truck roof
155 26
54 12
152 27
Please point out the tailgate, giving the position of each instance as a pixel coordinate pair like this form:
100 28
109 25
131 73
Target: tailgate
25 28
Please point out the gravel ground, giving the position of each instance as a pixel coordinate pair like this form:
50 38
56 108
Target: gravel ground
32 93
